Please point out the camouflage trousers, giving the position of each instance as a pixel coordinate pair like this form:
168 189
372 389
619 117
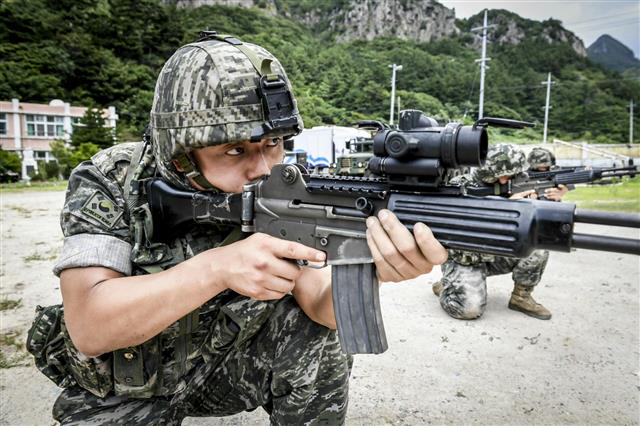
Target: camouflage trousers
293 368
464 287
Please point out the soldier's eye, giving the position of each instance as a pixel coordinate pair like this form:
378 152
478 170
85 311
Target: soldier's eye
273 142
238 150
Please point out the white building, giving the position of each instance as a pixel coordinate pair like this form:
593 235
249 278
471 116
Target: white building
28 129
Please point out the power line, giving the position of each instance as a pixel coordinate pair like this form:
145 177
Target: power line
599 81
618 23
535 86
600 18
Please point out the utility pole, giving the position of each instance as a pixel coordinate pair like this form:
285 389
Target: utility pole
548 83
483 60
394 68
631 122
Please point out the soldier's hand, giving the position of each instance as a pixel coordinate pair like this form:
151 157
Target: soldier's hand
398 254
556 194
262 267
525 194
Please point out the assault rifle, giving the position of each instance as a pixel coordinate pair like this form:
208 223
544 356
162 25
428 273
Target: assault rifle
535 175
540 181
329 213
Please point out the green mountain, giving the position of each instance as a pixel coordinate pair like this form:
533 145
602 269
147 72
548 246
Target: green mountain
336 52
612 54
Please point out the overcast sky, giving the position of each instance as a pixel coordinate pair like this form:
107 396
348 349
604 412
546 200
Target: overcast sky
588 19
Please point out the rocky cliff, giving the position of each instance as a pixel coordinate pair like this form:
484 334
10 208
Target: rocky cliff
511 28
269 6
417 20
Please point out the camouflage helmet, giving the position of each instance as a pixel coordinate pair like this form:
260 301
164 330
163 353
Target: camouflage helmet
541 157
217 90
502 160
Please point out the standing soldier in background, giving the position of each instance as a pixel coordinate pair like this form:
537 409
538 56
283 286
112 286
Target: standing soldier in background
206 323
463 287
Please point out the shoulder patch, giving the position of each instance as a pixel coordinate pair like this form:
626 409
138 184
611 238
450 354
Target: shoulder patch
108 159
100 207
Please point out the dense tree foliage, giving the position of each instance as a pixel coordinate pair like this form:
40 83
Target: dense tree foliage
109 52
91 129
10 161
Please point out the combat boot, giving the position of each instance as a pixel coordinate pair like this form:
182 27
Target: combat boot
522 301
437 288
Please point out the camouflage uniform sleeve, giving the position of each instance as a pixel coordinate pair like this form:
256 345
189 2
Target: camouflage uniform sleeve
462 180
469 258
94 220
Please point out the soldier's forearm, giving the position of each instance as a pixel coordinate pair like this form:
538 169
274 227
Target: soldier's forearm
313 294
105 315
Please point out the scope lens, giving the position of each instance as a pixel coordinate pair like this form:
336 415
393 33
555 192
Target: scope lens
471 146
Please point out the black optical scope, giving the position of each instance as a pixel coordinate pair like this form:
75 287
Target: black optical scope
421 148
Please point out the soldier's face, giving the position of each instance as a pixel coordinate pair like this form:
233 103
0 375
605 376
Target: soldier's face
504 179
542 168
228 167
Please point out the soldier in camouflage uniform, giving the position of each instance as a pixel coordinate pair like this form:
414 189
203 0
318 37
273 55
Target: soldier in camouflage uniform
205 324
542 160
463 288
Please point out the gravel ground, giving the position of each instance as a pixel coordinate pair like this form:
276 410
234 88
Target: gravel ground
581 367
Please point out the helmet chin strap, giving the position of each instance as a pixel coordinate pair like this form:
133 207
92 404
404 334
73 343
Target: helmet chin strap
190 169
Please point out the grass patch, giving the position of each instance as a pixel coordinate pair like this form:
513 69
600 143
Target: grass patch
12 352
11 339
20 209
36 256
623 196
54 185
6 304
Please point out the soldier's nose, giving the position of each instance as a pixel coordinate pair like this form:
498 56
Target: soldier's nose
260 166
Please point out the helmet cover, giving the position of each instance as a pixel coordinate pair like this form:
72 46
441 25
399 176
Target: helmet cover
502 160
206 95
541 157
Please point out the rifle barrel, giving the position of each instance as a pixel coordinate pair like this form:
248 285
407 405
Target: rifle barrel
607 218
613 244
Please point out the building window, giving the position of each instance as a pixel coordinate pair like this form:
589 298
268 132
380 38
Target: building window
40 155
3 123
49 126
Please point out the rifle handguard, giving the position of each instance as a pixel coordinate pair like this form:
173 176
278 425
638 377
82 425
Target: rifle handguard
489 225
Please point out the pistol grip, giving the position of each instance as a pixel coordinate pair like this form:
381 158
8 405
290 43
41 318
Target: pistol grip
356 302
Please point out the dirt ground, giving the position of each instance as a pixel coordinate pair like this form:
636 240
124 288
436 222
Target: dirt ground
581 367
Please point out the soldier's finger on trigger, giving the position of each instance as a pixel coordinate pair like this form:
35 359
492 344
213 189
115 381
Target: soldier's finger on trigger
296 251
